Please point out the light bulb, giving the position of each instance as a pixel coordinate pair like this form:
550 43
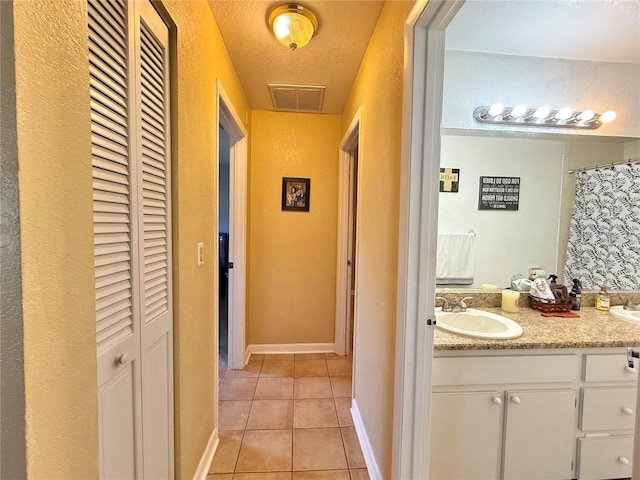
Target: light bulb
541 112
496 109
281 27
518 111
608 116
563 114
586 115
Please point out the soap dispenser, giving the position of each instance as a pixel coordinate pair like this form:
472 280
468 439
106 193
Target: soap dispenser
603 302
576 293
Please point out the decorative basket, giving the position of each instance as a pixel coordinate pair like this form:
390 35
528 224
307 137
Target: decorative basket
550 306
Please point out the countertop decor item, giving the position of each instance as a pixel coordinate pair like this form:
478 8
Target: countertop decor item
549 306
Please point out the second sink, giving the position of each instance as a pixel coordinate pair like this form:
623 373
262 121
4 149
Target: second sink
479 324
628 315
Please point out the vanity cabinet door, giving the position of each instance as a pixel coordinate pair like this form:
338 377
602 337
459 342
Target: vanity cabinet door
539 434
465 435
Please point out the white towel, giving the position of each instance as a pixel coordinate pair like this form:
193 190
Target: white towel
456 258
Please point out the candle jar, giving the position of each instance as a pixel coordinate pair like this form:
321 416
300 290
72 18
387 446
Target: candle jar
510 301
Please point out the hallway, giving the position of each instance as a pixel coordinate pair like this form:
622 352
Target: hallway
286 417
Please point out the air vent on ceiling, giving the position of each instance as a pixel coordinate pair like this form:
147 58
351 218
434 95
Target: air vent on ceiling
297 98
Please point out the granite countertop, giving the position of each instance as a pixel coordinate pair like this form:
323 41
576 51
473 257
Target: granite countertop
593 329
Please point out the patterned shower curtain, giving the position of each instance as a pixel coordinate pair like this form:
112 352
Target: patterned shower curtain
604 238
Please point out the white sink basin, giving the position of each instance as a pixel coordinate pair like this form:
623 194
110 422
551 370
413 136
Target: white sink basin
628 315
478 323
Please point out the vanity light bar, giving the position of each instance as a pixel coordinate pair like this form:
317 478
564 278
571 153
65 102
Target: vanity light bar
542 116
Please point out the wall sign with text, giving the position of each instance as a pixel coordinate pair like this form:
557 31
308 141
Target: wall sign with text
499 193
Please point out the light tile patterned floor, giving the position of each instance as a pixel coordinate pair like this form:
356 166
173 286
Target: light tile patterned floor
286 417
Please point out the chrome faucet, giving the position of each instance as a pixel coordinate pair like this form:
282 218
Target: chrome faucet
460 306
631 306
446 306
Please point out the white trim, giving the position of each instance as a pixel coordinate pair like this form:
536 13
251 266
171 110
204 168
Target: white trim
231 122
422 114
365 445
347 145
247 354
207 457
292 348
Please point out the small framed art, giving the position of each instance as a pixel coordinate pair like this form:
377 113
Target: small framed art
295 194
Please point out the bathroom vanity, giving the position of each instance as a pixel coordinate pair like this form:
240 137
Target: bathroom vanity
556 403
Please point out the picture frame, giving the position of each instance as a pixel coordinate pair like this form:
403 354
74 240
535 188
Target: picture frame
296 193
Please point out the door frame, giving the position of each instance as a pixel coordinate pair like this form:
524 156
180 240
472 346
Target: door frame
420 166
350 141
233 125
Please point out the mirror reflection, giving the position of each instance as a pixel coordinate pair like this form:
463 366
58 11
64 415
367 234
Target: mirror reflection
530 227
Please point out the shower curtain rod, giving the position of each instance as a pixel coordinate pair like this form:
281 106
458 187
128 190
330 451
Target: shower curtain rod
606 165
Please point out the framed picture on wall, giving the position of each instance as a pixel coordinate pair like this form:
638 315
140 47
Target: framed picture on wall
295 194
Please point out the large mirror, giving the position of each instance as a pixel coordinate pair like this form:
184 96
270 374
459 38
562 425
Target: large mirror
601 72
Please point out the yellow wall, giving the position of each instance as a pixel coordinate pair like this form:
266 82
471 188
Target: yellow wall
54 154
201 58
57 231
292 255
378 91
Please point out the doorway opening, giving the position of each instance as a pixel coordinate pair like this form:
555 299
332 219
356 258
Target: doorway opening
232 142
223 250
346 289
351 262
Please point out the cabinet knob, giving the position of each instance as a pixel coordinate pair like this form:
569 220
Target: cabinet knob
515 399
122 359
630 369
623 460
627 410
497 400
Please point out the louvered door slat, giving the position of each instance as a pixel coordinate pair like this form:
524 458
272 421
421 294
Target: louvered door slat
109 249
154 185
101 154
111 146
112 280
153 148
107 89
112 259
153 171
111 173
112 11
153 117
107 116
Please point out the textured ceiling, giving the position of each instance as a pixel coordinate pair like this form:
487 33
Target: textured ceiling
598 30
332 58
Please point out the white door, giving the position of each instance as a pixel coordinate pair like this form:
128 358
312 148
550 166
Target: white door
130 155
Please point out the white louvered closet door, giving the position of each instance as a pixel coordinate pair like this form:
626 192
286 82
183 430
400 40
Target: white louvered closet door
129 118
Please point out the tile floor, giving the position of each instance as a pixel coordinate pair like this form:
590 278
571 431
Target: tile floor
286 417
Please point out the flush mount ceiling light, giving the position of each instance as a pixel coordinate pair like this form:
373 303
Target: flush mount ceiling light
293 25
542 116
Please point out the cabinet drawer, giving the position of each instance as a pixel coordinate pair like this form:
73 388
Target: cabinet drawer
504 369
605 457
608 368
610 408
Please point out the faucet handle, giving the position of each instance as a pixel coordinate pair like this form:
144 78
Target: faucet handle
446 307
463 305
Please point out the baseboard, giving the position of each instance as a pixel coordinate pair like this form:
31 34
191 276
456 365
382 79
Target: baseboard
247 354
207 457
292 348
365 445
